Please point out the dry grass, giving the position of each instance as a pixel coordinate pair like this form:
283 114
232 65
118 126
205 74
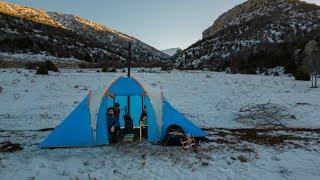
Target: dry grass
7 146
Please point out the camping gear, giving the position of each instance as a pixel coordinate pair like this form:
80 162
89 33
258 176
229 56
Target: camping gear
86 124
144 123
174 136
142 127
128 138
189 142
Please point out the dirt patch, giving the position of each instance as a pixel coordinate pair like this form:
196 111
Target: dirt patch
7 146
267 137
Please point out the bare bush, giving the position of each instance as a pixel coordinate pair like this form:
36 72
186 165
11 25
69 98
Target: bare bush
32 65
1 89
264 115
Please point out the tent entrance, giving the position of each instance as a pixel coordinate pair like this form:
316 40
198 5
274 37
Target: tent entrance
137 102
133 106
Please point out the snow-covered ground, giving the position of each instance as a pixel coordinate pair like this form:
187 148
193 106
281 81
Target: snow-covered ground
210 99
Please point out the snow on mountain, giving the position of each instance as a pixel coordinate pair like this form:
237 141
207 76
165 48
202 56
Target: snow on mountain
250 27
29 30
171 51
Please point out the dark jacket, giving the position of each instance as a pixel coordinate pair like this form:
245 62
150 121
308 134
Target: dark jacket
117 113
112 121
141 116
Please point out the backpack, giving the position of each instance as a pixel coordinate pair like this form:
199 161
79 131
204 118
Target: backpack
173 136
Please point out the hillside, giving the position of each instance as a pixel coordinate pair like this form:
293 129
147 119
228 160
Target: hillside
26 30
171 51
256 27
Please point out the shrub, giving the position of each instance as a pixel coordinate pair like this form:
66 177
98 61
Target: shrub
51 66
46 66
87 58
104 69
108 69
83 66
31 65
42 70
248 71
301 74
166 68
1 89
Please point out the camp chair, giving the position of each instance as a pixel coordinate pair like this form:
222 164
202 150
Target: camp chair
142 124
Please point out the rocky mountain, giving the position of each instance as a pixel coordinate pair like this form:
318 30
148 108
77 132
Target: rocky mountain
254 28
26 30
171 51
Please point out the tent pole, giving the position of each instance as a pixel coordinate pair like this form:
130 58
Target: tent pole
129 69
129 59
142 102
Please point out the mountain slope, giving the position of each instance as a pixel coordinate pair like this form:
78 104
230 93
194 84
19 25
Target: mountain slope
29 30
248 28
171 51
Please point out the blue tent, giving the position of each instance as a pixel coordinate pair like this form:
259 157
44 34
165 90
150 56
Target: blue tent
86 124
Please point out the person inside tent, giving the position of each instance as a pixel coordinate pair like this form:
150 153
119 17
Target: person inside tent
128 124
113 124
117 110
143 113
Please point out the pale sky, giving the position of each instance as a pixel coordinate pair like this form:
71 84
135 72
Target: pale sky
162 24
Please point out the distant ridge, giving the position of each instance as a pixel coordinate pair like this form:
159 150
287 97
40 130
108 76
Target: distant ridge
251 29
171 51
26 30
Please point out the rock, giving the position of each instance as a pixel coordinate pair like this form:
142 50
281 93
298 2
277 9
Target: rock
243 158
65 173
205 163
86 163
143 163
